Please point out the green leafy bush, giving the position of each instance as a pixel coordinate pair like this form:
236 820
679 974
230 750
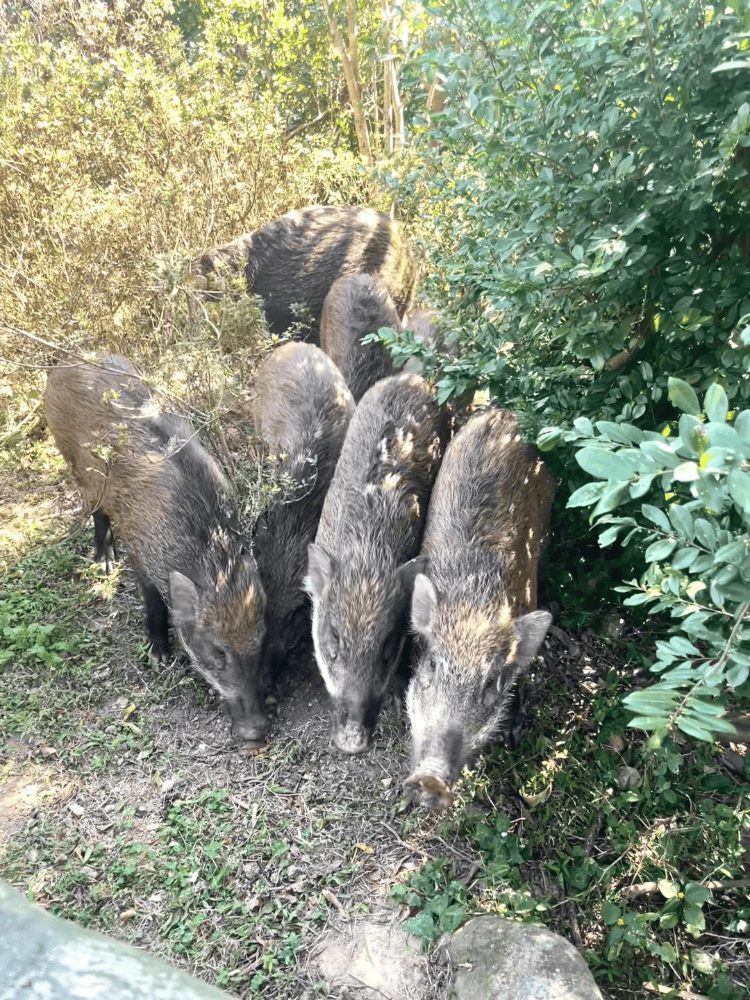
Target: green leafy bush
588 187
694 535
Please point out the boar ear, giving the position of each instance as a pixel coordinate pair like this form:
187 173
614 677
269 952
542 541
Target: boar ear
320 567
183 598
423 605
530 630
407 573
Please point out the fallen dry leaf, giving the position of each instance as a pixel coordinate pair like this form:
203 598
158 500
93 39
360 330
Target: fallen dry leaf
330 898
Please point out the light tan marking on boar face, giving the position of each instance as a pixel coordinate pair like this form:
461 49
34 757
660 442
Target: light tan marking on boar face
474 636
362 606
235 613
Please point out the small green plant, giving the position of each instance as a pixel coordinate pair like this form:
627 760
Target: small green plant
438 898
682 906
694 533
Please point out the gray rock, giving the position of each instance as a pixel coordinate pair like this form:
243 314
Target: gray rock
497 959
44 958
373 959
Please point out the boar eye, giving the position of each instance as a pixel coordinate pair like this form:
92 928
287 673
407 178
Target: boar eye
427 672
219 657
490 694
333 644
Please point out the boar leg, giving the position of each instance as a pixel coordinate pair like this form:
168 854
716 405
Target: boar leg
104 543
157 621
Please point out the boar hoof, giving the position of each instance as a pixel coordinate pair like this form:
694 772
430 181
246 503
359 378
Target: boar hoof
428 791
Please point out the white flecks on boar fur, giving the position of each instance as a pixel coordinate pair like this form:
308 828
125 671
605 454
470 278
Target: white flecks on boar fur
144 475
361 567
356 305
294 260
301 410
473 608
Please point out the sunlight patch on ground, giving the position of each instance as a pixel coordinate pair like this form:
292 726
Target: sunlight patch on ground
24 786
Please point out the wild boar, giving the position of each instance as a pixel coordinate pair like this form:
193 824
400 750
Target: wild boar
295 259
146 475
301 410
356 305
361 566
473 607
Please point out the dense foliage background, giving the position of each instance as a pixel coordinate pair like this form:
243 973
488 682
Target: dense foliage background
576 179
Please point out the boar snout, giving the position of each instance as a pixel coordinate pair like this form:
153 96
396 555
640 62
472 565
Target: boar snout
249 725
354 725
429 791
352 739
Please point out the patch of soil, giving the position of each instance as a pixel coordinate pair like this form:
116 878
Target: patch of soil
26 786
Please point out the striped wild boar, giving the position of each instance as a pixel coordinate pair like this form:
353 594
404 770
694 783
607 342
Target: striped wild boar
295 259
361 567
473 608
165 498
356 305
301 410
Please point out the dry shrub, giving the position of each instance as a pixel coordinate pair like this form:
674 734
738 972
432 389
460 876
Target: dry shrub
119 161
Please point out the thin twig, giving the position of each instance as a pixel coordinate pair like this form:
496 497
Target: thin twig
652 57
412 850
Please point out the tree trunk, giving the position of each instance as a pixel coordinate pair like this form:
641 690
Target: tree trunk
349 61
393 109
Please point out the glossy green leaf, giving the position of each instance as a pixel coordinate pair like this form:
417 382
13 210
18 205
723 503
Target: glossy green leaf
609 536
739 488
684 558
683 646
733 552
656 516
585 495
682 521
683 396
660 550
605 464
661 453
641 486
710 492
687 425
723 436
716 403
686 472
691 728
612 496
548 438
620 433
742 426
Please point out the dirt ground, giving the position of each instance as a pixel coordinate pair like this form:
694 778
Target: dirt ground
303 783
345 832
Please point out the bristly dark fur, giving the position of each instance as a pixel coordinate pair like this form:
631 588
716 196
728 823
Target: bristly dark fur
302 410
357 305
167 501
297 257
474 606
360 572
